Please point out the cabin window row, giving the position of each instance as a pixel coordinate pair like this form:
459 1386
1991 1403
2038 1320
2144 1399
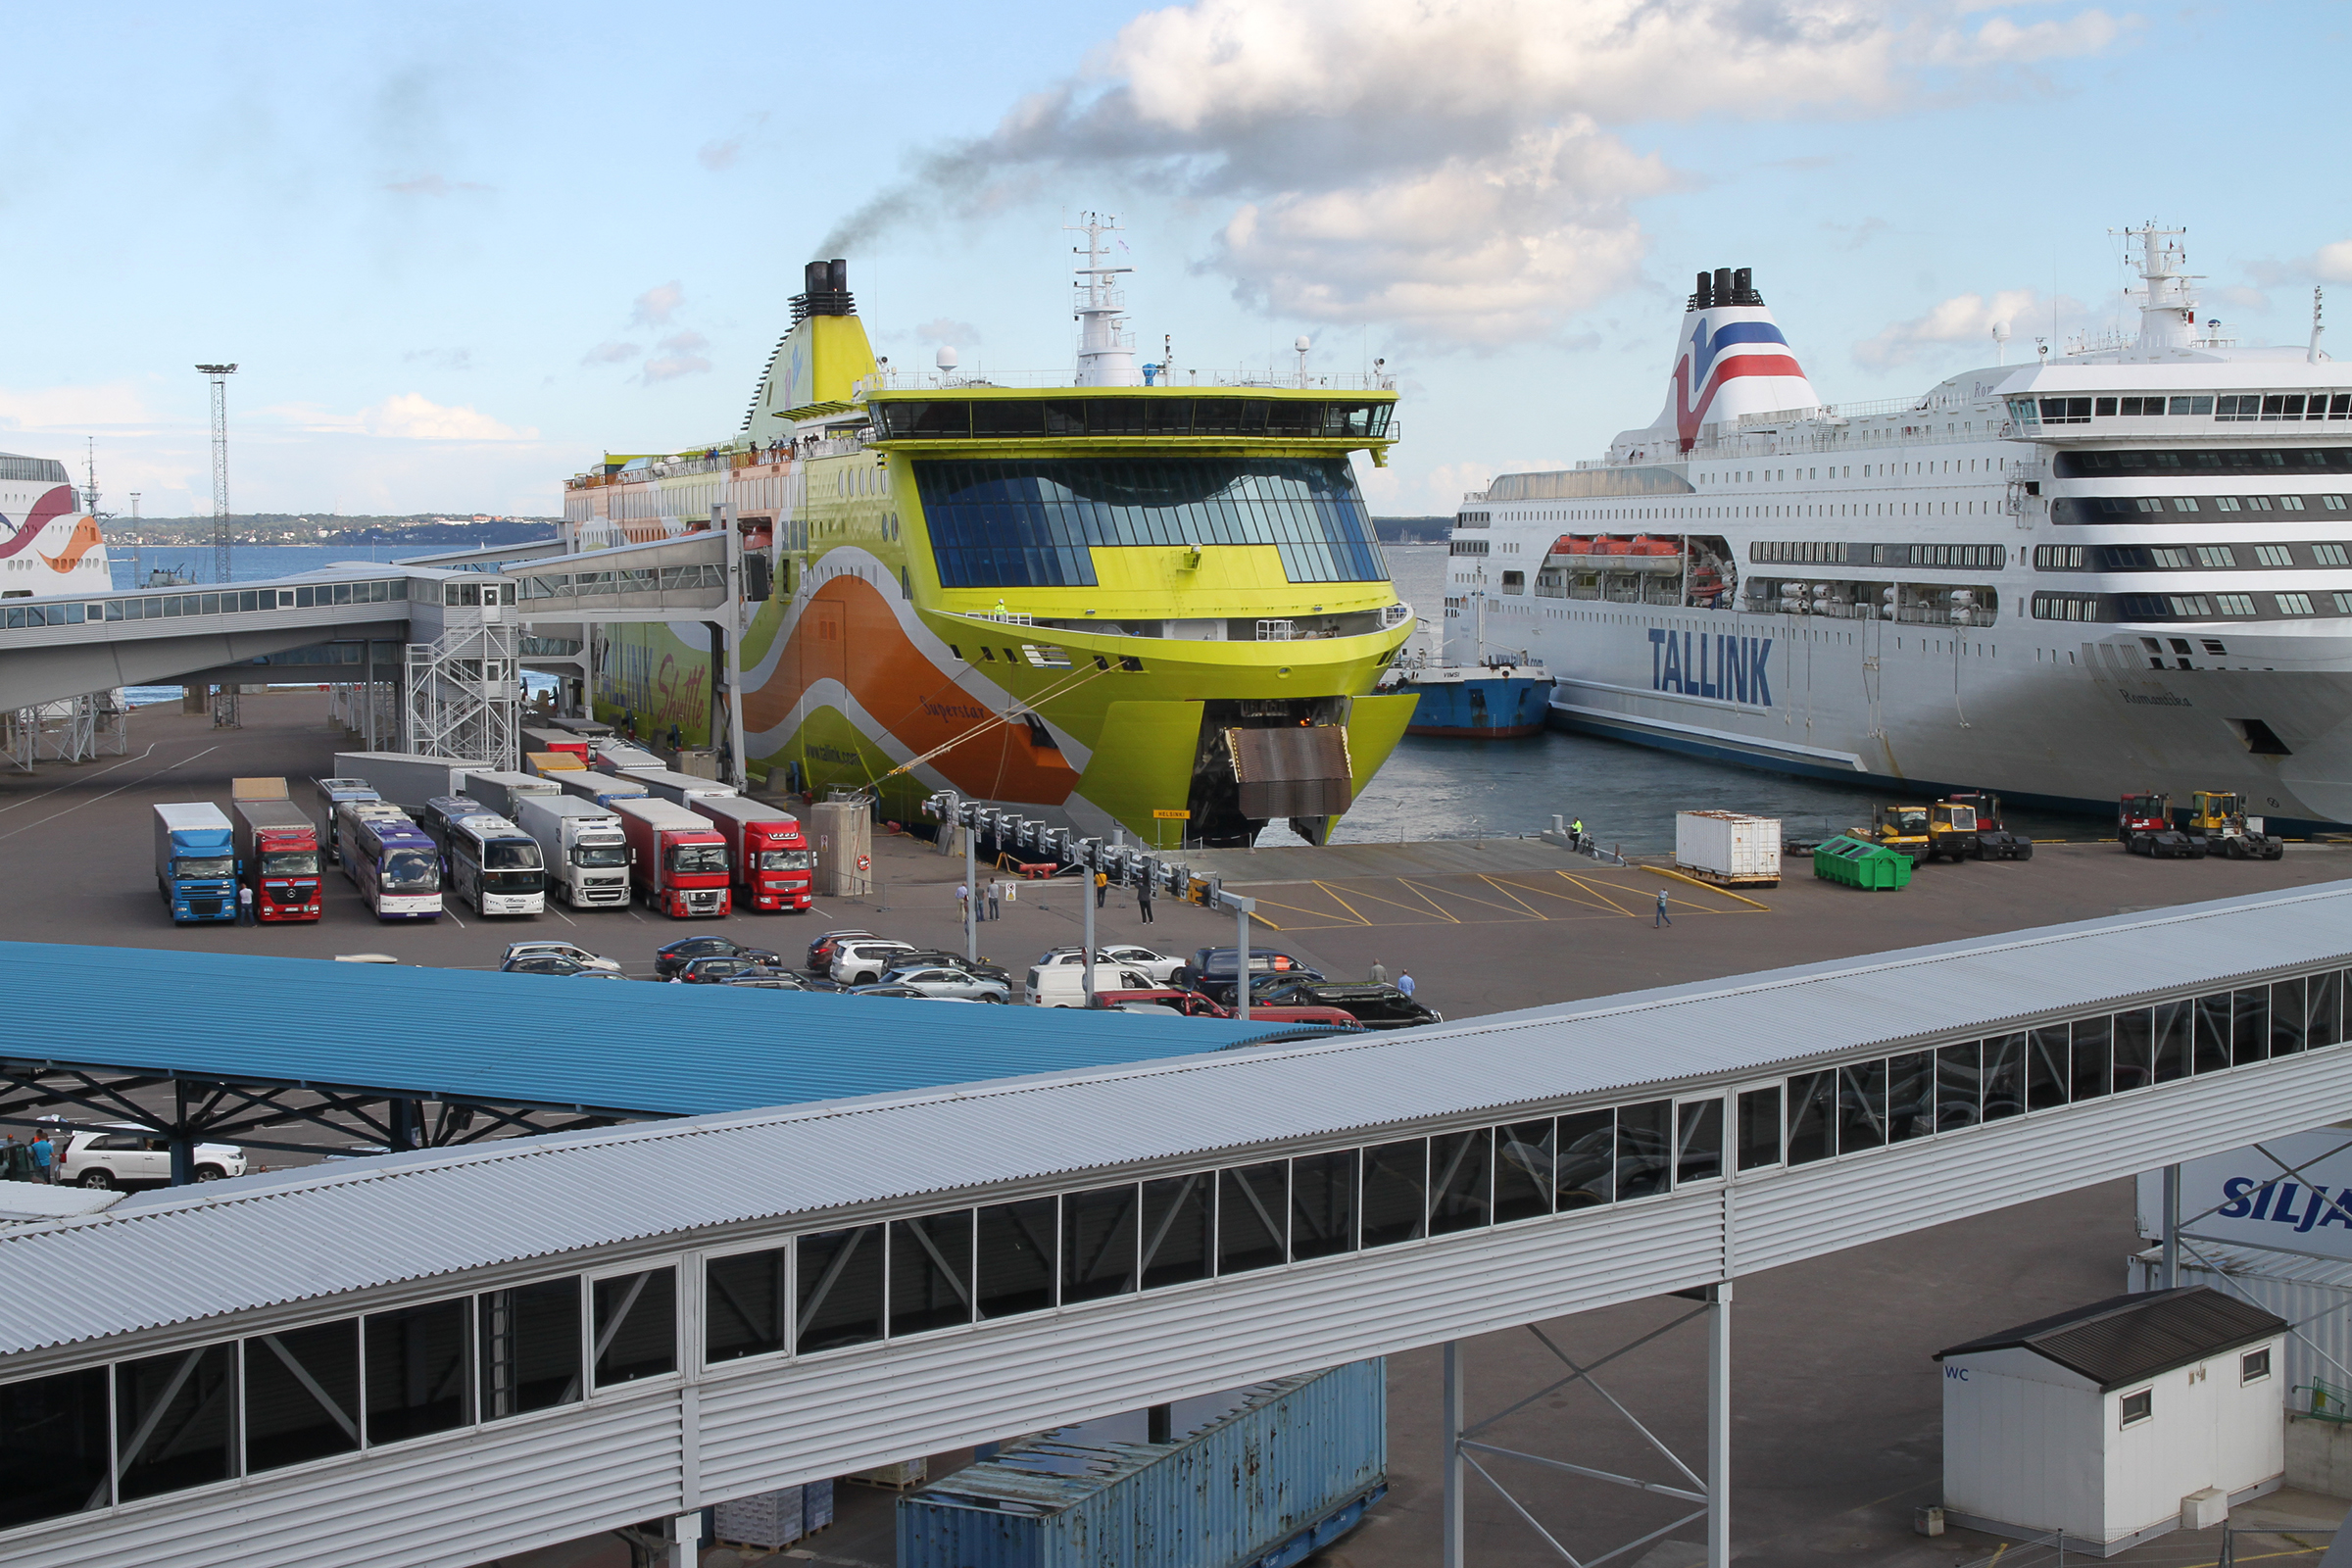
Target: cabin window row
97 1437
2083 509
2222 407
242 602
2130 463
2189 557
1832 552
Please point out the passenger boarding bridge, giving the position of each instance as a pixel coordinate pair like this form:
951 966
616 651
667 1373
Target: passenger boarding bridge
455 1355
450 631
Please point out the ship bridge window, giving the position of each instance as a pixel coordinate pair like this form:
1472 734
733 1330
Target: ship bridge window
2065 411
1034 523
2216 460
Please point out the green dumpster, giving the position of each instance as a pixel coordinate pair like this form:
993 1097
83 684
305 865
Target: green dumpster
1860 864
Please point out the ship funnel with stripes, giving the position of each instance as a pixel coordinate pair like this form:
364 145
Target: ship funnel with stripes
1730 360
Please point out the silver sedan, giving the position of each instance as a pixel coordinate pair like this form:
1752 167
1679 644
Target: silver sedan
934 980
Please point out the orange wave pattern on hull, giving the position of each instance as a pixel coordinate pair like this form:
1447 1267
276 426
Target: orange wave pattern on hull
85 538
847 633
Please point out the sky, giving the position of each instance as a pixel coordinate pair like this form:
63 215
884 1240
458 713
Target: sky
460 252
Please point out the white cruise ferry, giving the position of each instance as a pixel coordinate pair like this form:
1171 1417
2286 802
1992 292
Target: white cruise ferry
49 537
2118 569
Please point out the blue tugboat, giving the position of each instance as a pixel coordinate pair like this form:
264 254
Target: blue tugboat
1483 701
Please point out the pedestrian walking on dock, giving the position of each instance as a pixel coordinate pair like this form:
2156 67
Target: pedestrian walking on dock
963 900
1404 983
44 1156
1101 888
1576 834
1377 974
1663 917
244 904
1142 899
996 891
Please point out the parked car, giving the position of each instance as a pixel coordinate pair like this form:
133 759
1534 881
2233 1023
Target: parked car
1190 1003
820 949
954 960
550 963
1064 985
938 980
1329 1017
864 960
901 991
567 950
598 974
1375 1007
1210 971
1158 967
673 957
764 977
715 968
121 1154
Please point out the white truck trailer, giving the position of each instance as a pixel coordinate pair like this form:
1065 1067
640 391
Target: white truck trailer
587 854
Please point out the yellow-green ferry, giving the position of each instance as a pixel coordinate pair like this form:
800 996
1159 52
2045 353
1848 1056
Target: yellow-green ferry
1127 601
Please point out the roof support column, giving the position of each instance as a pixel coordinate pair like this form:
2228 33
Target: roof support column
685 1541
183 1144
405 1125
2171 1228
1719 1426
1451 1556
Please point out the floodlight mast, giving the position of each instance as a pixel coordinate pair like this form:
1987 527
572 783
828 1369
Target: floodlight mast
224 706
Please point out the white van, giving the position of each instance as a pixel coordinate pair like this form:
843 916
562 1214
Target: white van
1064 985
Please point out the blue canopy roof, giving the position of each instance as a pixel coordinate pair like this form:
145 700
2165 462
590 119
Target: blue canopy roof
537 1040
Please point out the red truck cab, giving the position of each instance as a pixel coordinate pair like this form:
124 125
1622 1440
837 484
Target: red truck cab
677 858
774 868
277 851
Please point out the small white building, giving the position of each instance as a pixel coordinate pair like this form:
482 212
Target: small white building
2116 1421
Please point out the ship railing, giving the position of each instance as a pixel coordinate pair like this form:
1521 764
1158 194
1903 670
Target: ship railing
1001 617
896 380
1395 615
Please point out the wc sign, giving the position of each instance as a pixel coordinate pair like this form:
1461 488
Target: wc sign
2294 1192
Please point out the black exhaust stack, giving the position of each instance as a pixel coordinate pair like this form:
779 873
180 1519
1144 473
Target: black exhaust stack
824 291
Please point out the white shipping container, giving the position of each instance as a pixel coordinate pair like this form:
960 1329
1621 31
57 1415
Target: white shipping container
1728 844
771 1520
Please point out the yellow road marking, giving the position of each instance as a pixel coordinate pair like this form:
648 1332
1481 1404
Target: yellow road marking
1659 870
1464 897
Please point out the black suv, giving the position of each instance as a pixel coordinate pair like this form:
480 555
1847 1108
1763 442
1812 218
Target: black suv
1375 1007
669 960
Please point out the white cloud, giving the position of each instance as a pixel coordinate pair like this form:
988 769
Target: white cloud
1455 165
1964 319
947 329
610 352
656 306
107 405
680 355
431 185
411 416
2332 263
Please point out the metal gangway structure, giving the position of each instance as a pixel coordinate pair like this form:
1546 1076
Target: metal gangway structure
459 1353
450 634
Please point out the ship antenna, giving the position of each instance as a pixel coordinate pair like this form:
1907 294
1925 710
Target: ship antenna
89 494
2317 328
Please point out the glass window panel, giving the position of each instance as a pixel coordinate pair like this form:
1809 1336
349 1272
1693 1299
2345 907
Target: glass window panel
1098 1243
1252 1202
419 1371
1959 1086
302 1395
1861 1107
636 1326
1395 1191
746 1298
1759 1127
1586 1174
528 1342
2004 1077
837 1282
1323 1203
1698 1141
2135 1048
2045 1067
1910 1096
930 1272
1644 1154
174 1419
2175 1026
1523 1170
2092 1061
1176 1230
2287 1004
53 1441
1460 1181
1016 1252
2250 1035
2327 1001
1812 1122
2211 1053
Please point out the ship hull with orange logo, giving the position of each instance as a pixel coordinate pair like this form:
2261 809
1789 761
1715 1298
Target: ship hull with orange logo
49 542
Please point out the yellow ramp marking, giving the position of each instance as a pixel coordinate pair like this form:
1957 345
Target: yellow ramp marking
1427 906
1300 908
1465 898
1600 892
1332 894
1505 890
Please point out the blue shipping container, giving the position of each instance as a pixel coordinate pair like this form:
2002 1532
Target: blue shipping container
1281 1470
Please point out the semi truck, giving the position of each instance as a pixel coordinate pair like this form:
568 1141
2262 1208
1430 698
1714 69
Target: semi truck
404 778
549 765
617 756
601 789
504 792
556 740
774 866
196 861
672 785
587 854
277 850
677 858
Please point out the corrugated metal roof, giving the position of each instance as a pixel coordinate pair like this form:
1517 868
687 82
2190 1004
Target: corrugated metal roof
522 1039
174 1256
2129 1338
